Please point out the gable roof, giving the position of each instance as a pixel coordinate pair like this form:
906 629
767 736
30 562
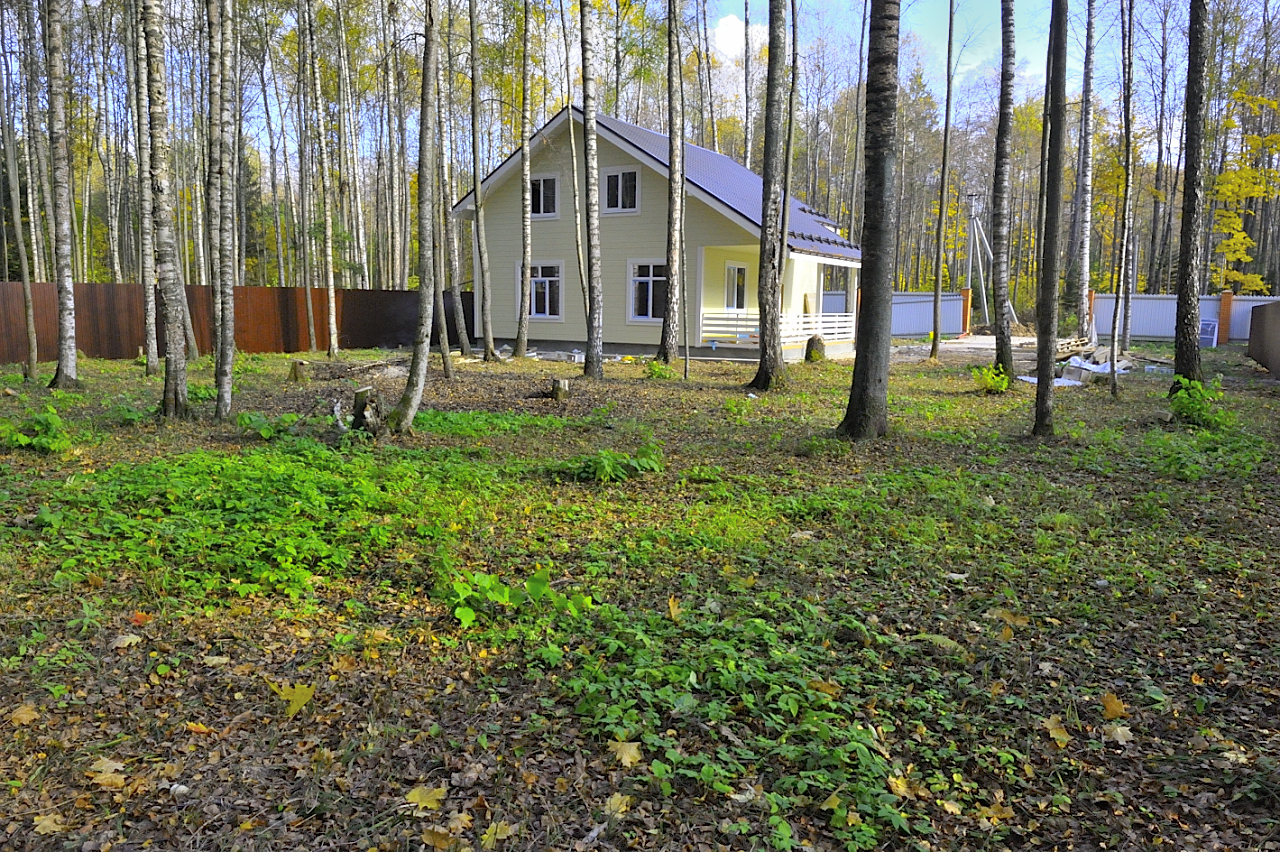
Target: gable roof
721 182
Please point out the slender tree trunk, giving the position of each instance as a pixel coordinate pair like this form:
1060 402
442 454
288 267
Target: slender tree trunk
214 163
867 415
593 367
146 229
772 203
1124 281
326 199
66 375
573 160
1187 329
943 194
451 247
401 419
1050 264
668 345
30 369
275 183
174 405
526 194
1000 193
484 290
227 254
746 83
1084 186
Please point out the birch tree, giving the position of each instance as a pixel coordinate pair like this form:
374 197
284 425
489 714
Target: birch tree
146 223
1050 262
56 73
593 366
1000 192
668 343
30 369
773 199
526 194
326 198
1186 343
1084 186
174 405
401 419
484 289
943 180
867 415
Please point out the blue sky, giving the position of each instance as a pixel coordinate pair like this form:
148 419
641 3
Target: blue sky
977 30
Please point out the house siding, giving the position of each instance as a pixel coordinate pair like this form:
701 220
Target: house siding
711 240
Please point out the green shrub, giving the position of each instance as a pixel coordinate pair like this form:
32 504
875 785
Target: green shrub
615 466
1197 405
657 370
991 379
257 423
44 432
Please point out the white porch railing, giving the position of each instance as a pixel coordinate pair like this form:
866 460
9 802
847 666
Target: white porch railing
743 329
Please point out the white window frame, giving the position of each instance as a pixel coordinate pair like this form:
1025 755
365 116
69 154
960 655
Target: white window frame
559 183
746 280
632 319
559 317
605 174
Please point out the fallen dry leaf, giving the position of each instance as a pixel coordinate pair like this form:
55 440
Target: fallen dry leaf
1117 734
673 609
627 753
104 765
495 832
438 838
110 781
49 824
425 798
297 695
1057 730
950 806
830 803
199 728
459 822
1113 707
899 787
140 618
617 805
825 687
1010 618
24 715
124 640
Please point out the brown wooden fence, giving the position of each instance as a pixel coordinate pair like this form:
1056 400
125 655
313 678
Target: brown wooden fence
109 319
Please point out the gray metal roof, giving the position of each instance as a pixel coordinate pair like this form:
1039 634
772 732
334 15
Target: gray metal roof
737 187
715 176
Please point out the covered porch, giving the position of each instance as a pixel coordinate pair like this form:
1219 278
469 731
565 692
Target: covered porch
728 313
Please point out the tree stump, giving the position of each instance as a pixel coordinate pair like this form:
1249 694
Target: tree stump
368 412
559 389
815 349
300 372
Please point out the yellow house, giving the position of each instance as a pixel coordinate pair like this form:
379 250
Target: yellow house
722 247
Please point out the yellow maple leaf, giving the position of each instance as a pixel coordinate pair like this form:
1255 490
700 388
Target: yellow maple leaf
1113 707
437 838
1010 618
425 798
110 780
626 753
673 609
495 832
825 687
617 805
24 715
900 788
106 765
199 728
459 822
950 806
49 824
297 695
1057 730
830 803
1120 734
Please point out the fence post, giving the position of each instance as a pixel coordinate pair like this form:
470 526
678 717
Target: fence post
1092 320
1224 317
966 308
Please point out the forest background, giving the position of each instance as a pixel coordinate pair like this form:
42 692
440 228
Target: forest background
358 117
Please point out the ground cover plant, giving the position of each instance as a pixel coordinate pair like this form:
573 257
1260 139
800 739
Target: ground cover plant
662 614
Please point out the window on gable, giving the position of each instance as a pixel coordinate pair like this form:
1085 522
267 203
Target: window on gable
648 291
735 287
543 189
544 294
622 191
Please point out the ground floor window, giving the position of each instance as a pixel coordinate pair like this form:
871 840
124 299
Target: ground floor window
648 291
735 287
545 293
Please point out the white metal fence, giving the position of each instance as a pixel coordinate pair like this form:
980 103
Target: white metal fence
913 314
1154 316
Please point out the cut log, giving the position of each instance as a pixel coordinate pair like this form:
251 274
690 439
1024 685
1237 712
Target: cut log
560 389
367 412
815 349
300 372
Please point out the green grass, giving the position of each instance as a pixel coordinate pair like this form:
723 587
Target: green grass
805 641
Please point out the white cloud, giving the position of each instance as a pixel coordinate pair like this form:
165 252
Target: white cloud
727 37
